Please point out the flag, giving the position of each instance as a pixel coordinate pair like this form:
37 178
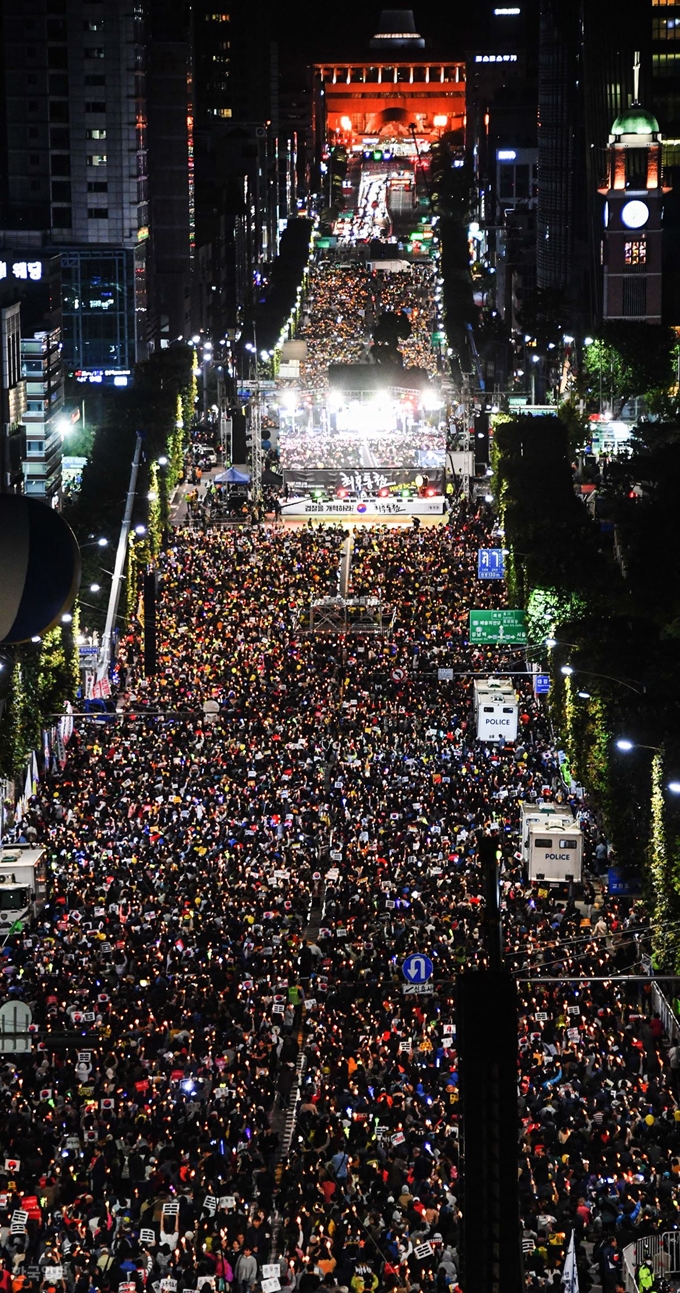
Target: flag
570 1272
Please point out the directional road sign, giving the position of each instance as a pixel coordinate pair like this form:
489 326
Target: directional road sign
417 989
498 627
417 968
490 563
541 684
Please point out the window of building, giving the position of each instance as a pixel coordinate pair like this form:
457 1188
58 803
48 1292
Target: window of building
93 24
33 132
635 253
35 185
95 134
97 213
636 168
35 446
95 51
58 84
61 164
97 159
95 80
97 105
57 56
664 65
666 28
58 110
97 186
61 190
60 138
634 297
34 159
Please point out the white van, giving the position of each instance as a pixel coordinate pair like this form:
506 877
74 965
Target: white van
23 882
496 709
554 852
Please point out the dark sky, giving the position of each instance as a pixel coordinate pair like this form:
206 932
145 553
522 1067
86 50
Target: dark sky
339 29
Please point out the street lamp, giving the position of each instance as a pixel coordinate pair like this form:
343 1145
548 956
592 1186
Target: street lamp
567 670
626 746
95 588
674 787
98 543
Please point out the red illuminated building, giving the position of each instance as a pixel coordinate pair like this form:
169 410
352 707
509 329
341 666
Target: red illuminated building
398 95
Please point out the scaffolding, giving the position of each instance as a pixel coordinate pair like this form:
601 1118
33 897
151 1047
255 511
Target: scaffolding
347 616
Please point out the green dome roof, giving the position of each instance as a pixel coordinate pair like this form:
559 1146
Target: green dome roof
636 121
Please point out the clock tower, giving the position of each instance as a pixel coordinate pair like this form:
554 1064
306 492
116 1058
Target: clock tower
633 218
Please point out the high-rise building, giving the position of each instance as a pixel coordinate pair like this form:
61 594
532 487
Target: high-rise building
32 381
76 116
246 175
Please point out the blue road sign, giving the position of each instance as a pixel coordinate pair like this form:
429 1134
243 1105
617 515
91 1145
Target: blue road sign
417 968
541 684
490 563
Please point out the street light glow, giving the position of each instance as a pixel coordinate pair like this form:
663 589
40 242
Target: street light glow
674 787
624 744
567 670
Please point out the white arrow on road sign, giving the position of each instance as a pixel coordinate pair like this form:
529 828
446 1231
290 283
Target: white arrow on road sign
417 968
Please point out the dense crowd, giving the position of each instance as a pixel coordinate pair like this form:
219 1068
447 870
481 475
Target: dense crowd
342 304
252 1098
417 445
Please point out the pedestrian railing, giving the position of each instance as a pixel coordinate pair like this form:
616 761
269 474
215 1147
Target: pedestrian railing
664 1009
629 1267
663 1251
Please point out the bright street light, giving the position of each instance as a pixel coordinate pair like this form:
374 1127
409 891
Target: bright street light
624 744
66 619
583 695
94 588
551 642
102 543
162 461
140 529
674 787
567 670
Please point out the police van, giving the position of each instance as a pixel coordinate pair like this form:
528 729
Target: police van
552 844
496 709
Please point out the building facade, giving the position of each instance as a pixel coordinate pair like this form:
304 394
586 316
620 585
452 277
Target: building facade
633 218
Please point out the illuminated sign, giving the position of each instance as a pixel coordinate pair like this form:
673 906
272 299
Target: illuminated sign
22 269
495 58
507 13
116 376
506 155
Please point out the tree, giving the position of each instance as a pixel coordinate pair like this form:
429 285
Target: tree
627 359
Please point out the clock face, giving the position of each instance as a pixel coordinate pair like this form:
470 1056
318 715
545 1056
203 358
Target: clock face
635 214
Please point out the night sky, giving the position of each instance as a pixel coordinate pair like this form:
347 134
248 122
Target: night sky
340 30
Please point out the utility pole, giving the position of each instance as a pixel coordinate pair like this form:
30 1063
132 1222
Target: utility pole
106 652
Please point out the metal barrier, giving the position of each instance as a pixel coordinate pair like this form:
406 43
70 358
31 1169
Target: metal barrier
663 1251
629 1281
664 1009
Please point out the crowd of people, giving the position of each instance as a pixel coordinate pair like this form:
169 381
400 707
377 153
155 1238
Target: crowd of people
230 1088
